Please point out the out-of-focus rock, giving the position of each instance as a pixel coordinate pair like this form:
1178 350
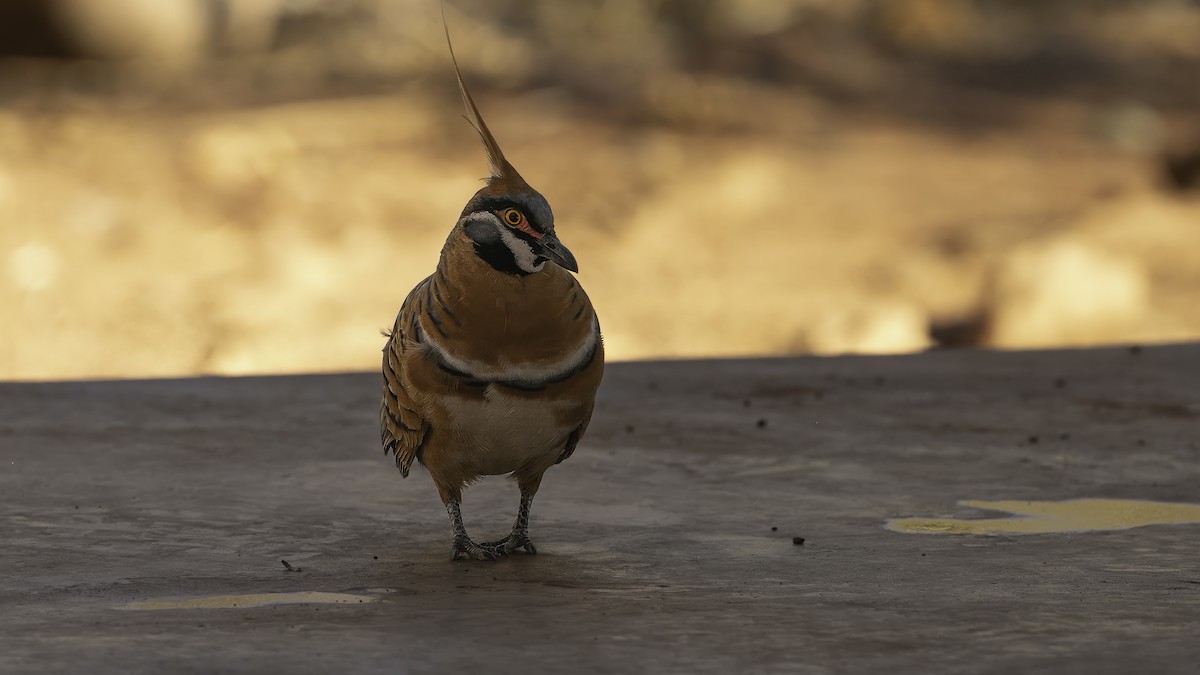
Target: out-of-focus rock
968 330
1063 292
249 25
1181 168
135 29
165 32
926 25
872 328
1130 126
759 18
1180 158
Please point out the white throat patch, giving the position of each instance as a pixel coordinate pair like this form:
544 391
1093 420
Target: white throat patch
526 259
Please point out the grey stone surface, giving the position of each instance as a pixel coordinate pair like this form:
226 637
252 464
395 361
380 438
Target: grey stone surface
658 540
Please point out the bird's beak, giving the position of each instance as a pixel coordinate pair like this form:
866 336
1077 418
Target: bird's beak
554 251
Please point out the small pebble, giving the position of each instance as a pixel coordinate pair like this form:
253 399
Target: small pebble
798 541
774 529
762 423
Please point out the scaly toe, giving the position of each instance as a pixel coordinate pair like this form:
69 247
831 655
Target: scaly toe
469 550
510 545
500 547
496 549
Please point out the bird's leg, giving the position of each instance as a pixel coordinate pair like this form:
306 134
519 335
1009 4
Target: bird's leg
464 548
520 533
519 538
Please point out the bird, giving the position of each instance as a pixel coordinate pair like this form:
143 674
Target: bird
494 360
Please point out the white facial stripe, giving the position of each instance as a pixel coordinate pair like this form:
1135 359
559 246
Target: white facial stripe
520 373
522 253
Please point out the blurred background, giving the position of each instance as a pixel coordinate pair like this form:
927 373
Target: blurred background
252 186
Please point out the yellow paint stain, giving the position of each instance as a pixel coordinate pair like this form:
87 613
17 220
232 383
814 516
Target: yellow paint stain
1075 515
254 600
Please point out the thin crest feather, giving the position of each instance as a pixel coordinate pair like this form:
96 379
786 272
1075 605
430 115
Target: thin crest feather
499 165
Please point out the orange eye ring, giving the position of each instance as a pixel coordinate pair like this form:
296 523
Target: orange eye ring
512 217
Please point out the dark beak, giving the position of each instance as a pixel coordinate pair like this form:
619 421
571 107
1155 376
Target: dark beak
554 251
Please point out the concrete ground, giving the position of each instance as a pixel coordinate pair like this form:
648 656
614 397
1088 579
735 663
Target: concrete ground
144 524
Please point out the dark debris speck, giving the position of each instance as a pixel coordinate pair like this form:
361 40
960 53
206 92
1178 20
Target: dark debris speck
797 541
761 423
1033 440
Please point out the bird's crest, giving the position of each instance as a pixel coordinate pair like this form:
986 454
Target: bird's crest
500 167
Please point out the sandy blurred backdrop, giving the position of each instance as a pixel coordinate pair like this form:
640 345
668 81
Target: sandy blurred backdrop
242 186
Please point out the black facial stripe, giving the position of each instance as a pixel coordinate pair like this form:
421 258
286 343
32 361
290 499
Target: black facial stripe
528 239
500 257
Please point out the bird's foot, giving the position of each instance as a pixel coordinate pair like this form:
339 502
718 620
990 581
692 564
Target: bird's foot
510 544
465 549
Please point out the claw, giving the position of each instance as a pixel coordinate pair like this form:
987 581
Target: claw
501 547
469 550
509 545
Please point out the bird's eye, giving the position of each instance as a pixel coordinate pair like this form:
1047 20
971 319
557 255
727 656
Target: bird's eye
513 217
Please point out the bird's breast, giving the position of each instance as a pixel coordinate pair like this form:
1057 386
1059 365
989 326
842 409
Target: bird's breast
525 330
504 432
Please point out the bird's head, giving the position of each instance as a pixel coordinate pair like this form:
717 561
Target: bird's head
510 224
